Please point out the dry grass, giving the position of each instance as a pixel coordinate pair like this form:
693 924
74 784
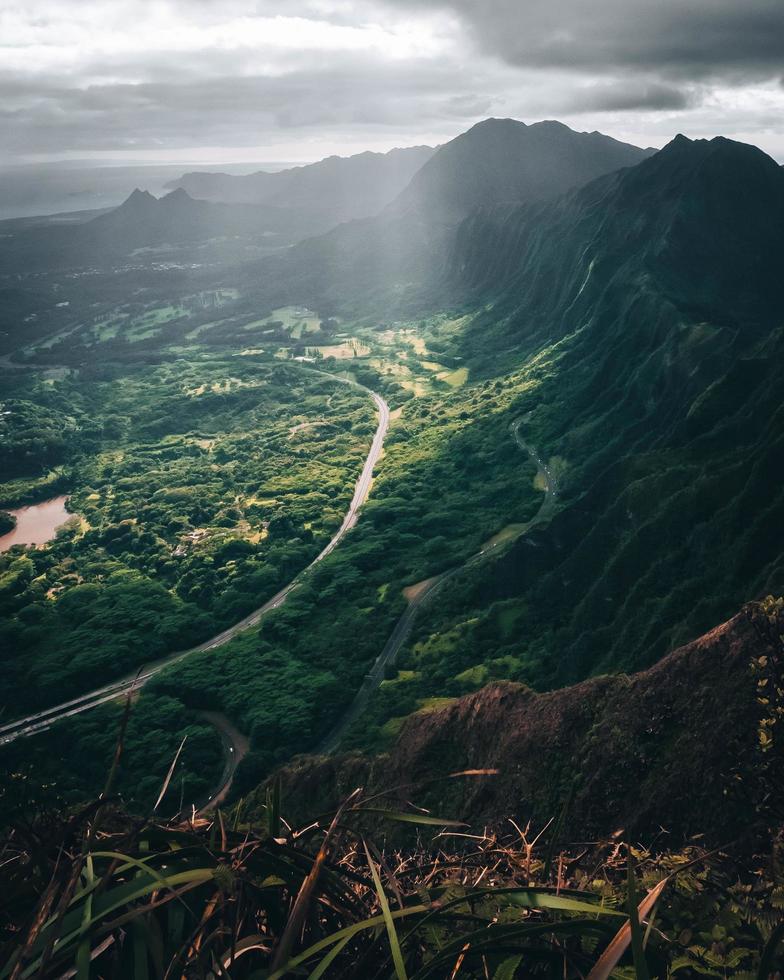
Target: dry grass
244 895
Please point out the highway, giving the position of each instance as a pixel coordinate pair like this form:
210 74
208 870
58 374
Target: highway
42 720
404 625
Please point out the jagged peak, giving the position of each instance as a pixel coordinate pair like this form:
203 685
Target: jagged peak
717 144
684 159
137 197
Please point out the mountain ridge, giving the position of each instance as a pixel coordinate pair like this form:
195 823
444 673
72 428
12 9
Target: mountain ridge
651 311
499 160
624 749
713 208
392 256
345 188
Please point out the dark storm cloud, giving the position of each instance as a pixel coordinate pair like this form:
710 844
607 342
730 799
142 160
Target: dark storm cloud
686 38
230 110
117 75
625 96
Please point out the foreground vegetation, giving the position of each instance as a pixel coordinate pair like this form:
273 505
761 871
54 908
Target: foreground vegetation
95 892
56 769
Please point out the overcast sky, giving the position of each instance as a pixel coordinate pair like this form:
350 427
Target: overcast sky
206 81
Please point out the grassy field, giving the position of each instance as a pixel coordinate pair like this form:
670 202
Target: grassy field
142 322
296 320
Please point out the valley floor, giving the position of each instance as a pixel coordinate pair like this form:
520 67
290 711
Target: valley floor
220 468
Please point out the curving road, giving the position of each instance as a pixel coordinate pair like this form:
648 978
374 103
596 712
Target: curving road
44 719
235 747
404 625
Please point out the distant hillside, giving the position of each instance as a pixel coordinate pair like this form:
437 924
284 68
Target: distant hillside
403 249
142 220
237 218
170 223
342 188
505 161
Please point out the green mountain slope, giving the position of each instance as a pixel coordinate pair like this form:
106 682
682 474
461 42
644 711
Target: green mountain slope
658 749
395 258
504 160
654 297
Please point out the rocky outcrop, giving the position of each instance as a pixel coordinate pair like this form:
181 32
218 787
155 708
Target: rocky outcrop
687 747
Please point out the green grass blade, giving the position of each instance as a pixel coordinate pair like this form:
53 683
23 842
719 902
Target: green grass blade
523 897
325 964
508 968
533 898
349 931
405 817
141 963
389 922
118 897
83 951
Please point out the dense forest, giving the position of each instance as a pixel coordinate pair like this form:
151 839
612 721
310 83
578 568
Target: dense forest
202 485
208 456
392 490
198 489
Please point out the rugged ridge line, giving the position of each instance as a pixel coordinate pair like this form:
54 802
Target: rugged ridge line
677 747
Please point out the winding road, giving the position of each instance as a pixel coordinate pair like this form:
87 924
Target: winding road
235 747
404 625
42 720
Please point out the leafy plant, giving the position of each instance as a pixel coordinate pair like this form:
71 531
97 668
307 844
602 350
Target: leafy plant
101 891
246 895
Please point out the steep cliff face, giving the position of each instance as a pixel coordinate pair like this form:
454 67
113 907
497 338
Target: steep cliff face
663 400
697 225
689 747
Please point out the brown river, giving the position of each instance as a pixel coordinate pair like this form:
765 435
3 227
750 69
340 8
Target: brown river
37 523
